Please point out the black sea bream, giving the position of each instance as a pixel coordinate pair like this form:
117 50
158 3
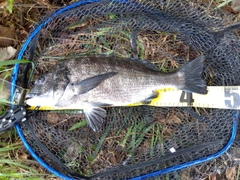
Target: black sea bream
94 82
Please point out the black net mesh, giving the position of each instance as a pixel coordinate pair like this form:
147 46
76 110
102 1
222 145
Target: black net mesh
136 141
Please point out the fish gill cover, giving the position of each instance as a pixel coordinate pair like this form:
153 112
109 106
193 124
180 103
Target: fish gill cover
136 141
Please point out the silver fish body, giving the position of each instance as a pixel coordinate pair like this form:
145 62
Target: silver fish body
94 82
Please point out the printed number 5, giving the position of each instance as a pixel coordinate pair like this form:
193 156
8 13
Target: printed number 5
234 102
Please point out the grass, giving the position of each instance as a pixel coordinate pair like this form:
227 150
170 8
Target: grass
6 72
222 3
238 172
10 5
14 161
137 134
78 125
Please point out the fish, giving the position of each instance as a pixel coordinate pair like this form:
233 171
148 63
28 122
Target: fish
92 83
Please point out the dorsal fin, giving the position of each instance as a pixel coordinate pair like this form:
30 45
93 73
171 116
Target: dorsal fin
146 64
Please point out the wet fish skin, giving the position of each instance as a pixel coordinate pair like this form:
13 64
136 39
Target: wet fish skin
93 82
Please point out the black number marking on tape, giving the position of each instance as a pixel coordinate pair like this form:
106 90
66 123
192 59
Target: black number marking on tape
232 99
186 97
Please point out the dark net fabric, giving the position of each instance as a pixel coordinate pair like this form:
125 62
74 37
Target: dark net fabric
138 140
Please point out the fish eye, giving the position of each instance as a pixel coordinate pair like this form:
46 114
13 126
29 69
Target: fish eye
41 80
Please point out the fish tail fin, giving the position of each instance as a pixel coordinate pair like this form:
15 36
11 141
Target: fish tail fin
191 73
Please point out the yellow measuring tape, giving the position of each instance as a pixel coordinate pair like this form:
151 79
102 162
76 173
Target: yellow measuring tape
222 97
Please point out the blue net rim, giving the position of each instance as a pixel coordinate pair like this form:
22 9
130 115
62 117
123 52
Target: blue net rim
56 173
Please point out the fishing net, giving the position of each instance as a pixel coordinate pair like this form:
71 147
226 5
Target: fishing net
138 141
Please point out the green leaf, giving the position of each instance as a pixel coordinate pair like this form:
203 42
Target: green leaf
18 164
112 16
123 143
8 74
99 145
10 5
90 158
223 4
6 149
78 125
4 101
11 62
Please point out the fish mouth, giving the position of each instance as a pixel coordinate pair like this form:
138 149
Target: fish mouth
31 95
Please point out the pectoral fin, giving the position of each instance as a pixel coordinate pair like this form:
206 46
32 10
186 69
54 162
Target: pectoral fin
92 82
94 116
